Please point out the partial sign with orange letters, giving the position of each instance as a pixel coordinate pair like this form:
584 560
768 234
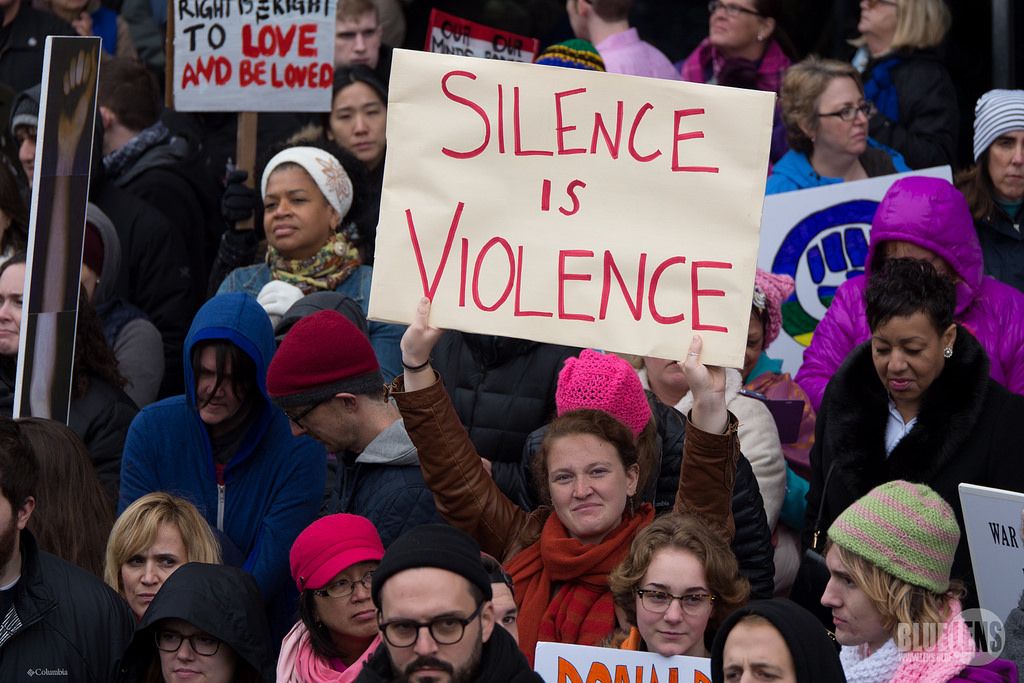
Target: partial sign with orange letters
559 663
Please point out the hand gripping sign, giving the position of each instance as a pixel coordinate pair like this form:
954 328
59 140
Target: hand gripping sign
571 207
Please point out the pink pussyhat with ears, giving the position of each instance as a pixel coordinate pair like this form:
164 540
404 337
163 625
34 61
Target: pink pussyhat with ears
770 290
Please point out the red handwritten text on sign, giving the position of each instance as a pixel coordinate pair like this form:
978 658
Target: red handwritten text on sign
604 134
512 259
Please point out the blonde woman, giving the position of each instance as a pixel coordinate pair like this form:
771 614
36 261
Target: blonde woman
906 80
151 539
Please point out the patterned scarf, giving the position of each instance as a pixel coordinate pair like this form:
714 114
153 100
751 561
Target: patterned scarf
582 612
323 271
125 156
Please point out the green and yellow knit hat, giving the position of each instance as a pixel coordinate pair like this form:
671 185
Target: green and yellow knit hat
575 54
904 529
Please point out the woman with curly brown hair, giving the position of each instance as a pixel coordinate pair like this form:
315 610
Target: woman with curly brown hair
676 586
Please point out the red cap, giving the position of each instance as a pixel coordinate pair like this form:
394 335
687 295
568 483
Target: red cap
331 545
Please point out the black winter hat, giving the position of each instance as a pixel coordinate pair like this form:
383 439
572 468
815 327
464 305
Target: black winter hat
25 109
432 545
814 652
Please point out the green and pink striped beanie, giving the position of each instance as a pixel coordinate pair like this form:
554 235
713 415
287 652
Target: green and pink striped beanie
904 529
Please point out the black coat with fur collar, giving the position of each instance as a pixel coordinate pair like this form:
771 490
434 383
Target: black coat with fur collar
969 429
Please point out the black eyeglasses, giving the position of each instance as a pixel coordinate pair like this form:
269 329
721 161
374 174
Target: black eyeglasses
446 630
201 643
694 604
730 9
297 419
343 588
874 3
849 113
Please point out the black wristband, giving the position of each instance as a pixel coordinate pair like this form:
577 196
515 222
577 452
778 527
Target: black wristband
416 368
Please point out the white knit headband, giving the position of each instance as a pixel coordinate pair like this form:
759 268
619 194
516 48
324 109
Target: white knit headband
325 170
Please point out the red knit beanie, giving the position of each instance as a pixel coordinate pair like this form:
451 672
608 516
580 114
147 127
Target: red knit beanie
322 355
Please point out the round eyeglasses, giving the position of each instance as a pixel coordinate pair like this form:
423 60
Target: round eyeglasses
446 630
849 113
694 604
201 643
343 588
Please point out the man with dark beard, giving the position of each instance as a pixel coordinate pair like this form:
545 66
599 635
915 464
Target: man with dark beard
435 615
56 619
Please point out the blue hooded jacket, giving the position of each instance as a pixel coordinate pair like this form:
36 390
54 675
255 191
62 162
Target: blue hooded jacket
271 488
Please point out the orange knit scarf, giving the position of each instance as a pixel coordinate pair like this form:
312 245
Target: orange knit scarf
582 612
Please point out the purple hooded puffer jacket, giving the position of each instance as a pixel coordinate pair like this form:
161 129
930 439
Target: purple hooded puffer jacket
932 214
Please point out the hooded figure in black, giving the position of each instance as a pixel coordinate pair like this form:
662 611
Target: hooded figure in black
814 652
221 601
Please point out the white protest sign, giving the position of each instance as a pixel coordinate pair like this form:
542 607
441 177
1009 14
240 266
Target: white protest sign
450 35
253 55
819 237
558 663
992 524
573 207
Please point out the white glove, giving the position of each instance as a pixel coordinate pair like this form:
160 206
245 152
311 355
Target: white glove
277 297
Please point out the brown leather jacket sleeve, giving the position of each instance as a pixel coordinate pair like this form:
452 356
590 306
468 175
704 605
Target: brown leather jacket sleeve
465 495
708 475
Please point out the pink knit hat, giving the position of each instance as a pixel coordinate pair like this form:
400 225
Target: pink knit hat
605 382
770 290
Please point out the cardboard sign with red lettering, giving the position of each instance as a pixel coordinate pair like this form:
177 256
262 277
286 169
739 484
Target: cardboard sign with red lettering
450 35
573 207
558 663
253 55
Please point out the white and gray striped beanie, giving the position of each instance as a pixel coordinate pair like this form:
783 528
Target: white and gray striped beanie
998 112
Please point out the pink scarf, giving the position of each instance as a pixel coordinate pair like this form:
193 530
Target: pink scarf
953 651
298 662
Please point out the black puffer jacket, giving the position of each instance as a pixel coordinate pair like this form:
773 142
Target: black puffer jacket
926 131
101 418
223 601
752 543
65 624
502 389
1002 245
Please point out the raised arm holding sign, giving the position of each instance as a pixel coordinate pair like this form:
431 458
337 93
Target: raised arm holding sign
587 470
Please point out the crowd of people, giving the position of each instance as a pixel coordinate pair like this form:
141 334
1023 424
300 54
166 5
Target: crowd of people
258 483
